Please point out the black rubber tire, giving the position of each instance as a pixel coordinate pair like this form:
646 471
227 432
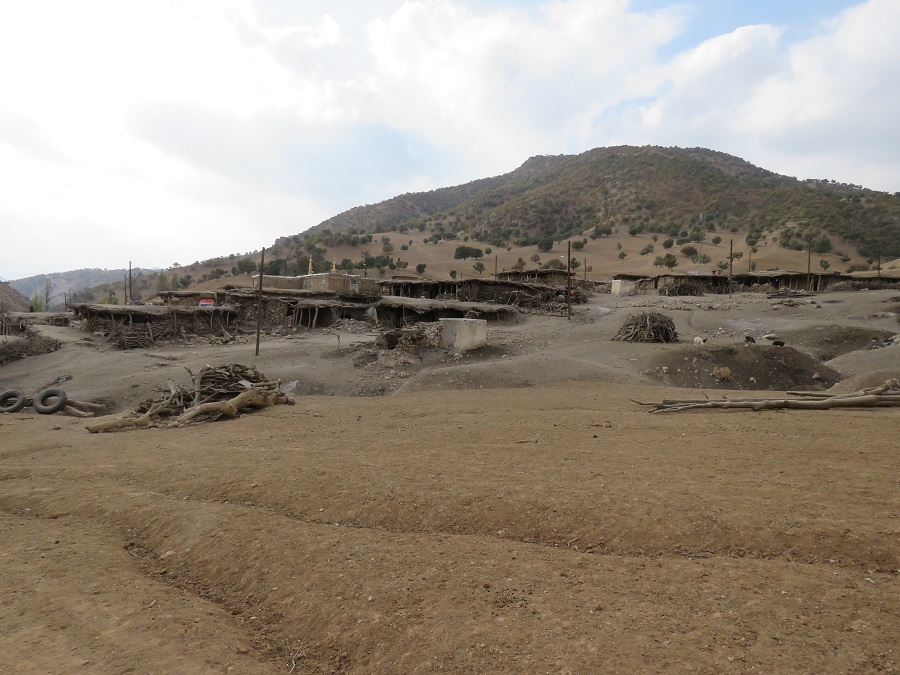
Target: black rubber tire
43 408
17 398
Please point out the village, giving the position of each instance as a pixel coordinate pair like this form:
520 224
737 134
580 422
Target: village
314 472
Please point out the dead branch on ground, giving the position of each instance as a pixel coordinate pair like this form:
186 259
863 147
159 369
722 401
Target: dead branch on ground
886 395
214 393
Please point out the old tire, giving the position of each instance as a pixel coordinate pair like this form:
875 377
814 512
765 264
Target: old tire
57 401
11 401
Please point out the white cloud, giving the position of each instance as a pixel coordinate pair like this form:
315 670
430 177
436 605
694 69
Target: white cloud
259 119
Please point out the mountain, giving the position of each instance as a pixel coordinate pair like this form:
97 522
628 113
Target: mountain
640 189
11 300
65 283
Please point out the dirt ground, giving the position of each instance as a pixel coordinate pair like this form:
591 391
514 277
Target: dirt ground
506 510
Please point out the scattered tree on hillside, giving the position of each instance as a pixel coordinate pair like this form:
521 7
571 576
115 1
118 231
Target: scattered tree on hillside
824 264
452 274
479 267
246 266
466 252
535 258
420 268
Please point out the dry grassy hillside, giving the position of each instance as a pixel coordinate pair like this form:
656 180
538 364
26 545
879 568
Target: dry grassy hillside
600 254
11 300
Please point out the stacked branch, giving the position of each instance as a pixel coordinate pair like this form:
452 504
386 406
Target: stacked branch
886 395
29 345
223 391
686 287
647 327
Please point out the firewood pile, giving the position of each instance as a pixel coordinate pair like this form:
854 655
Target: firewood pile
214 392
788 293
686 287
647 327
141 335
886 395
30 345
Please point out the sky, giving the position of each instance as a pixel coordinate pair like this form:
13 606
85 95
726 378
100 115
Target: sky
169 131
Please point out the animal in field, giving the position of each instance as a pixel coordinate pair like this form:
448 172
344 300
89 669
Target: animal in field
778 343
748 340
698 341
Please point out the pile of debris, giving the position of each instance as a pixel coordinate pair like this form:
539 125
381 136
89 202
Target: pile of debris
647 327
15 347
411 339
214 393
686 287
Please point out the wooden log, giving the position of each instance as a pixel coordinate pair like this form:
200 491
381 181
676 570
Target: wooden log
74 412
85 406
121 423
252 398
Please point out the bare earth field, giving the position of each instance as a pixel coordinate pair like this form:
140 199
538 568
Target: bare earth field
506 510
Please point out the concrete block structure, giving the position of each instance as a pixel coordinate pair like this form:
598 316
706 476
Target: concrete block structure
463 334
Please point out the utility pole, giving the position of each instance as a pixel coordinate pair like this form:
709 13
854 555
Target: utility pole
878 264
699 244
130 287
262 265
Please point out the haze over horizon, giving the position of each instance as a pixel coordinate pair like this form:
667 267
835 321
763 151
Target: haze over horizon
163 133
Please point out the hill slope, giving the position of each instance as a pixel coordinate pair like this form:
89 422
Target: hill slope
646 189
11 300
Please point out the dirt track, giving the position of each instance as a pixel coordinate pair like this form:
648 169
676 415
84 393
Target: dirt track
547 528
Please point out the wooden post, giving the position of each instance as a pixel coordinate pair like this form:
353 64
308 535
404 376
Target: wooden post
130 286
495 266
262 265
730 264
878 264
569 282
809 263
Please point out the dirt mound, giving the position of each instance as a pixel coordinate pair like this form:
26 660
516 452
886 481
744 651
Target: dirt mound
828 341
759 367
